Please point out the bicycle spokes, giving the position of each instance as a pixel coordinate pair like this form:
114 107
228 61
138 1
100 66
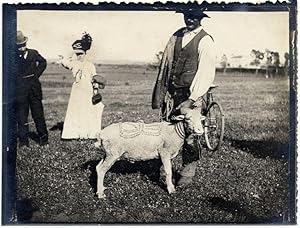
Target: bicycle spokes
214 126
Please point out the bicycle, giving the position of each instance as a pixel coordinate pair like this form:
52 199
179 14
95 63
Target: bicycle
214 122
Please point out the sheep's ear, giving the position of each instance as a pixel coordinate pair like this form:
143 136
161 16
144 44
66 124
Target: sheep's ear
178 118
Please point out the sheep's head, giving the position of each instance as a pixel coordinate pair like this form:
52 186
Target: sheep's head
192 121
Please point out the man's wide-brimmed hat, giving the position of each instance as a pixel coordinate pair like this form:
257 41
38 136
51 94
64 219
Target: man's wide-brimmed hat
195 13
21 39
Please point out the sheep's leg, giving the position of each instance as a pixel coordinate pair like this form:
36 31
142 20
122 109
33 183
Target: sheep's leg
101 169
166 160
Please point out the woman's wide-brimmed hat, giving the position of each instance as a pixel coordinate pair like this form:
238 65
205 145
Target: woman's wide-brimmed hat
77 47
82 45
21 39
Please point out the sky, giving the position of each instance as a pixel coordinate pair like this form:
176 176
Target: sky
136 36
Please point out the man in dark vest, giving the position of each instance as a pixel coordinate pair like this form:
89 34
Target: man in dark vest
30 66
186 72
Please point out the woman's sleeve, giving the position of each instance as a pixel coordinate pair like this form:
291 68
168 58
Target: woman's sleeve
93 71
67 63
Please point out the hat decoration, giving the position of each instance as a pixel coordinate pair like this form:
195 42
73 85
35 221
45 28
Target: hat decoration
83 44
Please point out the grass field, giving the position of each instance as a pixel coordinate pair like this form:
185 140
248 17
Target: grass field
246 181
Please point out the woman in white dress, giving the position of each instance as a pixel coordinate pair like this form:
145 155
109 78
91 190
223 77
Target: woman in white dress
83 118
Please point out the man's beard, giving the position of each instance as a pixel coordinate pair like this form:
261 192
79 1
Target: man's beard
191 26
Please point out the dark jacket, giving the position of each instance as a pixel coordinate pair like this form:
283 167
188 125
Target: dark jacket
29 70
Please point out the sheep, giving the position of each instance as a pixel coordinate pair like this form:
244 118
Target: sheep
144 142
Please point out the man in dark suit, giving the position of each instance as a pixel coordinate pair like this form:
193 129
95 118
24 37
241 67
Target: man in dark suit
30 66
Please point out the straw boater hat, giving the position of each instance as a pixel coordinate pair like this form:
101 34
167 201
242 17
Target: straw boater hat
21 39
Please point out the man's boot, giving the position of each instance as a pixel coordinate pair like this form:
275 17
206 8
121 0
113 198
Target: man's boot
187 174
44 140
190 157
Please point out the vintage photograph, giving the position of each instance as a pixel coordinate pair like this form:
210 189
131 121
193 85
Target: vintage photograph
149 114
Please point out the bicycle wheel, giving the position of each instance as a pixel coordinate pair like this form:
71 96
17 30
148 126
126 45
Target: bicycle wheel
214 126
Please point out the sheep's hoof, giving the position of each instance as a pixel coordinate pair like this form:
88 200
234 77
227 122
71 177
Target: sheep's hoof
100 195
171 189
97 144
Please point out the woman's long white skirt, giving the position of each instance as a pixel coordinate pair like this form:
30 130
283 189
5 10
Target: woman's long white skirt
83 119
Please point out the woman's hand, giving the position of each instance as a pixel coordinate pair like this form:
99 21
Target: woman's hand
78 75
60 58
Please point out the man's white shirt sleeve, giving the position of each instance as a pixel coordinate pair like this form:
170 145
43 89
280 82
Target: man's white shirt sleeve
205 74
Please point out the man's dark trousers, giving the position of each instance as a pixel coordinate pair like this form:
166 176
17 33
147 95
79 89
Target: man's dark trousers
37 112
29 95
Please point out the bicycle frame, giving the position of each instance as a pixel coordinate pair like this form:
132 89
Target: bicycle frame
207 99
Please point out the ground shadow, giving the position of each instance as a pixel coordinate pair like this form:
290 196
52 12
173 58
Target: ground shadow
25 209
57 127
91 165
263 149
150 168
240 214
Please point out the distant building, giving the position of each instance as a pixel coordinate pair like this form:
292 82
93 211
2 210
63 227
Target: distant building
239 61
248 61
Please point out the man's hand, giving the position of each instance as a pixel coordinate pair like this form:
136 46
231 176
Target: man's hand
186 104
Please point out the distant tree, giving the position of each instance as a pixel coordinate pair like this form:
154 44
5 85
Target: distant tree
159 56
224 62
269 65
268 56
273 63
276 61
286 63
257 56
156 64
286 59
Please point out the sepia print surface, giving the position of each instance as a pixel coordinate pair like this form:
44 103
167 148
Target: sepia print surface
248 178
